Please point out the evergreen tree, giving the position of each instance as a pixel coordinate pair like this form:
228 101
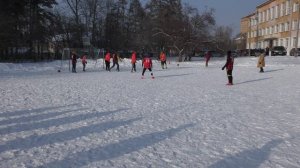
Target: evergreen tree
136 16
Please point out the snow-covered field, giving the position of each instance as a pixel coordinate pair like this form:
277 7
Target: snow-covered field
186 117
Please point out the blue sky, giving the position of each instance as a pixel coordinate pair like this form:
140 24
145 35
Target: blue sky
228 12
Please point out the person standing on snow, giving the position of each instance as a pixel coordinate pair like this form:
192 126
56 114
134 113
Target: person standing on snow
207 57
74 61
163 59
229 67
261 62
116 59
133 61
107 61
147 64
268 51
83 61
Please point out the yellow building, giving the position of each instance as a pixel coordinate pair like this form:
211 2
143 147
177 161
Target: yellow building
273 23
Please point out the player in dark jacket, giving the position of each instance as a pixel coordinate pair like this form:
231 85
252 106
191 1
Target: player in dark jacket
74 61
116 59
229 67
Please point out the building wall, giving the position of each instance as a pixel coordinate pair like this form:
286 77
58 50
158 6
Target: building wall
273 23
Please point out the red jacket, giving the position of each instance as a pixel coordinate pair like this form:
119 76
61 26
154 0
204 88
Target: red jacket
74 58
229 63
208 55
147 62
133 58
163 57
83 59
107 57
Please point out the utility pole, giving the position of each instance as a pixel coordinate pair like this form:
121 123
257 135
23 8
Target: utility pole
249 36
297 36
256 20
291 24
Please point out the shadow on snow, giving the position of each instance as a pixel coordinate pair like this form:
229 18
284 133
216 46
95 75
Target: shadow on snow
252 158
117 149
274 70
40 140
255 80
56 121
167 76
38 110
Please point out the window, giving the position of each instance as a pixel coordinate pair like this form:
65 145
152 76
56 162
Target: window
280 28
287 7
268 15
272 13
276 11
294 41
281 9
295 7
294 25
281 42
271 30
287 42
287 26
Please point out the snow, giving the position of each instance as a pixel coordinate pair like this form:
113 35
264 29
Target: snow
185 117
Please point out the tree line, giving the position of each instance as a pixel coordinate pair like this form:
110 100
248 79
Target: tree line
28 28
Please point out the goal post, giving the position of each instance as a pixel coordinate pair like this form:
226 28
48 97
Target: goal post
66 55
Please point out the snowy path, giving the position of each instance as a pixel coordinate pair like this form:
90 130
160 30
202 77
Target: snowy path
186 117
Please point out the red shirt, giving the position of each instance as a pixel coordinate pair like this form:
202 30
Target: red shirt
163 57
107 57
133 58
147 62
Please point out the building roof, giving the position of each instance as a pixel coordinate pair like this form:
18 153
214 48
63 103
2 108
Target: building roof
251 14
265 3
259 6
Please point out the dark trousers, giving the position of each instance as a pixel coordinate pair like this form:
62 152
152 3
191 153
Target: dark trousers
83 64
133 67
261 69
229 75
206 62
115 63
107 65
163 63
74 67
144 70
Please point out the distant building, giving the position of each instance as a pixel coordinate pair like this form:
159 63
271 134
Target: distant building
273 23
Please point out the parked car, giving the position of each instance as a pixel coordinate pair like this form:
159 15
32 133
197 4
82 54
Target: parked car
253 52
295 51
278 50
